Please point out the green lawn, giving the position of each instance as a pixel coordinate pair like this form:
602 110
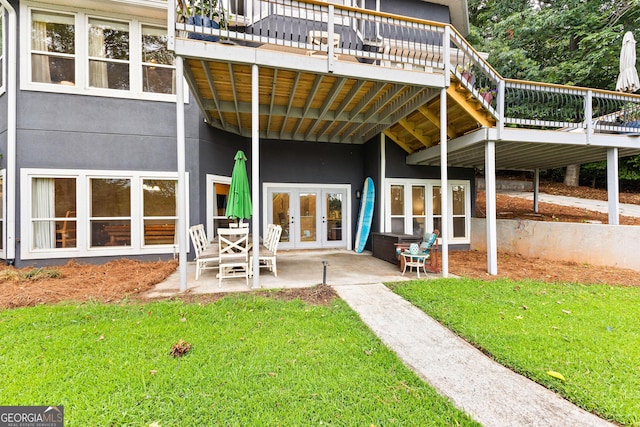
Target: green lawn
253 361
588 334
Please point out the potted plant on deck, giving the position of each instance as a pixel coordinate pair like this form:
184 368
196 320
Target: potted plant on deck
202 13
488 94
466 71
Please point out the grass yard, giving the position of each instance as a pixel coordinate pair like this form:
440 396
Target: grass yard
252 361
590 335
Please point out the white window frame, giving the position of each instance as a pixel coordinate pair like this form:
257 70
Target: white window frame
3 211
81 86
408 185
212 202
83 207
3 57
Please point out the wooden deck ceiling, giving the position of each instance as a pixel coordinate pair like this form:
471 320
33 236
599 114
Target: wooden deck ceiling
322 107
319 106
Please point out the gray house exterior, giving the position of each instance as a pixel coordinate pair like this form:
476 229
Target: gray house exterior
95 172
110 107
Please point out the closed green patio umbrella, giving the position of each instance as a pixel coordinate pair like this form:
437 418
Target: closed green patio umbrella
239 203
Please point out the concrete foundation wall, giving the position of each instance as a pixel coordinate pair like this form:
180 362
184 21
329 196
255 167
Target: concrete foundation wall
597 244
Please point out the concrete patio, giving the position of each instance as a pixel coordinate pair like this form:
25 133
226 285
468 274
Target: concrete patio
297 269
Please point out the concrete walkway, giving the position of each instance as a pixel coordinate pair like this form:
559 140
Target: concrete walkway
490 393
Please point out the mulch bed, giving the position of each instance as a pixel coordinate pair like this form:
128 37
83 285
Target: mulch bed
129 279
76 281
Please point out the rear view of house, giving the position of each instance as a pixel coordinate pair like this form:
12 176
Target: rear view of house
111 107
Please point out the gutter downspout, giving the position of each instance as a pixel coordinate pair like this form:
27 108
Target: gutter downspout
12 105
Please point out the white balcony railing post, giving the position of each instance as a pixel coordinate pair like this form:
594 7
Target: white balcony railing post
500 107
446 52
588 115
171 24
330 32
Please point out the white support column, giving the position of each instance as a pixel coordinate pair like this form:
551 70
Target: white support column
11 176
613 186
536 189
182 223
444 183
490 197
383 178
255 172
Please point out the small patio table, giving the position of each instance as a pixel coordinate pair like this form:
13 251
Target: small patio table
414 260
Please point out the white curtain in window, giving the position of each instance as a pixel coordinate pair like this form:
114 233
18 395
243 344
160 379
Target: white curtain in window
39 62
98 76
44 232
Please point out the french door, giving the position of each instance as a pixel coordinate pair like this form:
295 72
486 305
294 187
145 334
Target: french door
311 217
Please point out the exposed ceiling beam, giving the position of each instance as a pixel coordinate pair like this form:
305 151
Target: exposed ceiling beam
310 97
273 98
417 134
371 110
360 106
191 81
435 119
235 94
296 80
398 141
422 98
328 102
356 88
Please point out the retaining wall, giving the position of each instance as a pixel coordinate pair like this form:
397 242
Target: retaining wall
596 244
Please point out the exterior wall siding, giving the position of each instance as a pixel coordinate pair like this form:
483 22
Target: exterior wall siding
63 131
429 11
308 162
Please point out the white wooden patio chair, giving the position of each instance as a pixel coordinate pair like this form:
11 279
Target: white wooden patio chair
233 251
267 255
206 255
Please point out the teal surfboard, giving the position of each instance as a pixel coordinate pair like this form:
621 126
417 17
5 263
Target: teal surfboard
366 214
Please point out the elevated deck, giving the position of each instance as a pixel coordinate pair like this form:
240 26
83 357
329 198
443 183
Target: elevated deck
332 73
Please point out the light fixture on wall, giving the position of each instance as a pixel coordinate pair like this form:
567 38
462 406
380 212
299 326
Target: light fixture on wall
358 194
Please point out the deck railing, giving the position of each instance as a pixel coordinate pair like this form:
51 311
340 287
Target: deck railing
332 30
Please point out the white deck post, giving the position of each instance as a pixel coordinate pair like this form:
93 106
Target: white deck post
383 174
613 186
444 184
536 189
490 198
182 223
255 172
11 176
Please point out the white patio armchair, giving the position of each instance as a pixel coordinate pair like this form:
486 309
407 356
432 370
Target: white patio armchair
233 251
267 255
206 255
